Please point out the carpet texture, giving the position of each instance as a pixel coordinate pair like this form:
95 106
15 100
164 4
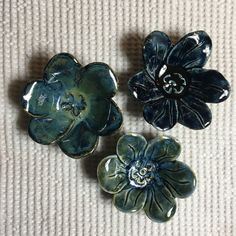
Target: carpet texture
44 192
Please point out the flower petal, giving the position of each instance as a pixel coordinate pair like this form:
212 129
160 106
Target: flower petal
160 205
130 146
143 88
209 85
193 50
130 199
50 129
62 68
79 141
97 113
162 114
194 113
98 79
156 47
163 149
178 178
111 174
39 98
114 120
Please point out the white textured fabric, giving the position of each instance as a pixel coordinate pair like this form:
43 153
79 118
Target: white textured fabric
44 192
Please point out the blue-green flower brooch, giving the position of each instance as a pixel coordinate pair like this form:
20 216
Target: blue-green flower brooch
173 86
72 105
146 176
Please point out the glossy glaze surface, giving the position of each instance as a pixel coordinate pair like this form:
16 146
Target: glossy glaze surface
72 105
146 175
173 85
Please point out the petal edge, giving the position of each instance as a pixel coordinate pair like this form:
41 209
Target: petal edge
210 85
98 79
114 120
38 98
194 113
156 48
160 205
162 114
62 68
79 142
130 199
143 88
178 177
193 50
48 130
162 149
130 146
111 174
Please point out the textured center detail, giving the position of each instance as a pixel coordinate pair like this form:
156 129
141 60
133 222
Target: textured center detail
72 104
140 174
173 81
174 84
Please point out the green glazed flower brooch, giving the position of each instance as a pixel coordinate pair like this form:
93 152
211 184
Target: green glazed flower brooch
146 175
72 105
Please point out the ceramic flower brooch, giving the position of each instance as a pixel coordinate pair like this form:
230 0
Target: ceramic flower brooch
145 175
72 106
173 85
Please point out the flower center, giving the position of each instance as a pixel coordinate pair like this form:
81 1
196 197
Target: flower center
173 81
72 104
140 174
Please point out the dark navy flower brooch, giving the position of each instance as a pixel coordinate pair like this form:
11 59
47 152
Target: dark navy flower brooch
72 106
173 85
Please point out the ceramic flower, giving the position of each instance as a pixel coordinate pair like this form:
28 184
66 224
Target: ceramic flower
146 176
173 86
72 105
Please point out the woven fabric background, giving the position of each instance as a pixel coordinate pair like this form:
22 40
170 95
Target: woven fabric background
44 192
